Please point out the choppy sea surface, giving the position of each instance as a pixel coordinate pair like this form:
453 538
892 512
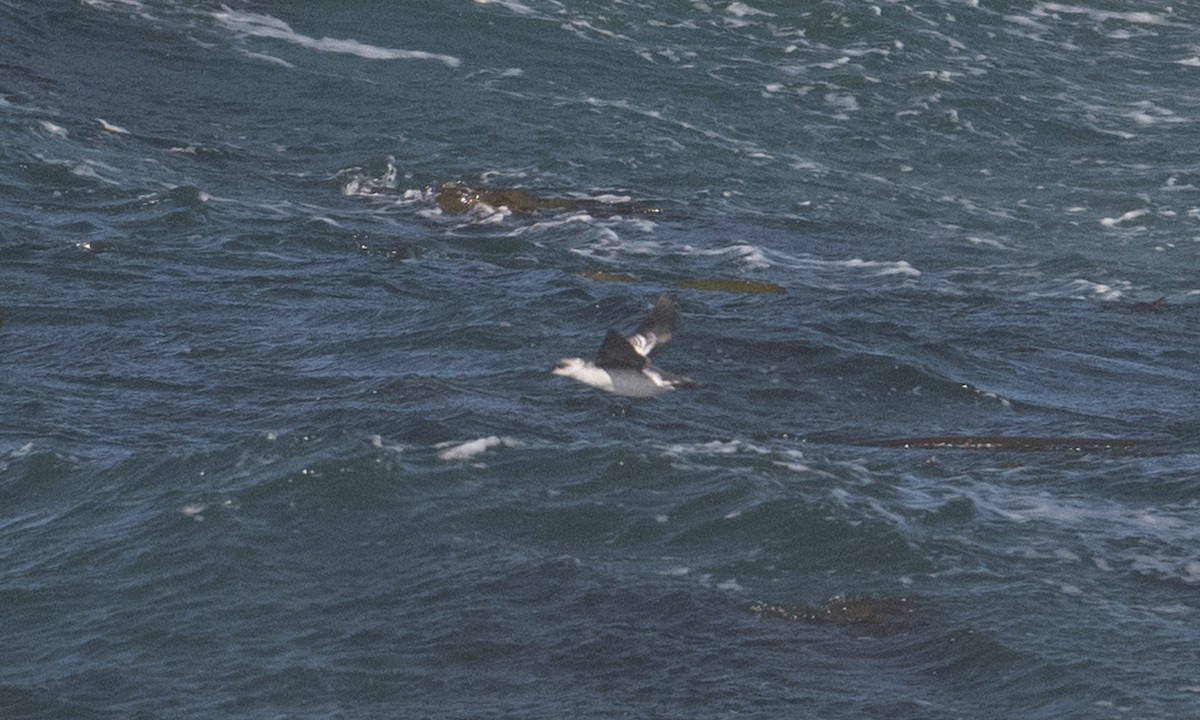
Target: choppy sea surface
278 436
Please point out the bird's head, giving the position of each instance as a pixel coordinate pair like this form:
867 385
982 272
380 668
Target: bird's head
571 367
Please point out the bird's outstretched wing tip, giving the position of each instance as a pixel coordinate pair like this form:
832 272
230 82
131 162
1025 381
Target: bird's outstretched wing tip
659 325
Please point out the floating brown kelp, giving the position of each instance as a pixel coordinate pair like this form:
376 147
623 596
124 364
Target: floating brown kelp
459 198
605 276
1009 443
455 199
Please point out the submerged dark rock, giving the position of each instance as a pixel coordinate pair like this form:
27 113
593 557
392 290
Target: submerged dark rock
844 610
1149 306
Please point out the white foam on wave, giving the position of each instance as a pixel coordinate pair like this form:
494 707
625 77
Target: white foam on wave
357 181
1104 291
607 198
196 510
574 218
88 169
1166 525
747 254
844 102
266 26
720 139
109 127
268 59
885 268
109 4
1025 22
759 257
52 129
1191 572
1150 113
1135 17
741 10
22 451
714 447
472 448
510 5
712 454
608 237
1126 217
583 27
992 243
378 442
1065 588
1166 567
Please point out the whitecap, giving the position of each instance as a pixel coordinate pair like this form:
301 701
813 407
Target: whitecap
897 267
1149 113
1135 17
1023 20
471 448
268 58
793 466
608 198
51 128
751 255
1191 572
1102 290
741 10
713 447
256 25
580 26
1131 215
842 101
109 127
107 4
510 5
378 443
1068 588
194 510
987 242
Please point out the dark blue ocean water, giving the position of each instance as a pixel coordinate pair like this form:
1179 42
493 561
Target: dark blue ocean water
279 438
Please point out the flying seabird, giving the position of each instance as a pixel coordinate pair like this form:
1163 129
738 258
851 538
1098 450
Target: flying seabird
623 365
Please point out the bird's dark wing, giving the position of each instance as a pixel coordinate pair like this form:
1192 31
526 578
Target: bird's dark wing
616 352
658 327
